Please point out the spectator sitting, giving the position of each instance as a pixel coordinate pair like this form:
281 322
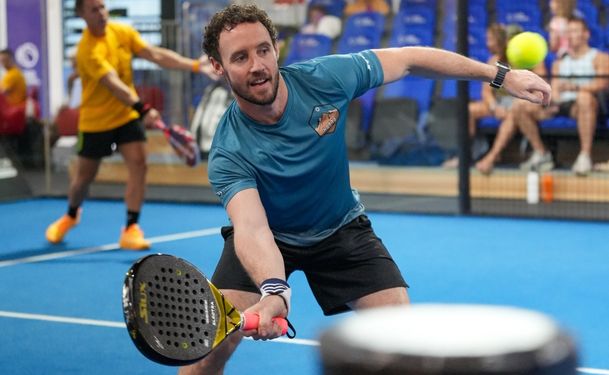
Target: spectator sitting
319 22
13 90
500 106
359 6
496 103
572 97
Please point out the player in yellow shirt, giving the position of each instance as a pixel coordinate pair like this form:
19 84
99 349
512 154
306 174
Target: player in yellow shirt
12 85
112 113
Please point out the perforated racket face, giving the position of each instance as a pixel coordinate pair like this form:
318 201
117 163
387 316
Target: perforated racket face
170 310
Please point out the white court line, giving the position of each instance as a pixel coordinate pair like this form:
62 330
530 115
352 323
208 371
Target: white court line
62 319
586 370
108 323
111 324
108 247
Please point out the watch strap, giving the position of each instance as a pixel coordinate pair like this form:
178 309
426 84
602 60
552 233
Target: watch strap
502 71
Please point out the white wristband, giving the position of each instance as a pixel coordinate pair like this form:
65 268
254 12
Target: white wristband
276 287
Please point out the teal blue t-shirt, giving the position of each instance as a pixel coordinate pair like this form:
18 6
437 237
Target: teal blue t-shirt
299 165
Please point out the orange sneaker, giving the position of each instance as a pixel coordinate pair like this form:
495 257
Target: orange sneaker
56 231
132 238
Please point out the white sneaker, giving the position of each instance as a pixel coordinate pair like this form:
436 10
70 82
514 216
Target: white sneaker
538 162
582 165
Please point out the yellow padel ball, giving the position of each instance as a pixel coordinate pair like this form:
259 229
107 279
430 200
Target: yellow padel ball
526 50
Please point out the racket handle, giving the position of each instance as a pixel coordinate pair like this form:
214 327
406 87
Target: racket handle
250 321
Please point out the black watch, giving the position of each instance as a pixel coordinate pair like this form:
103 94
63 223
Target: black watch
502 70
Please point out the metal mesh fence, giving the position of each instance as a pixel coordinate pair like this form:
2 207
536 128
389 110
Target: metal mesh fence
408 141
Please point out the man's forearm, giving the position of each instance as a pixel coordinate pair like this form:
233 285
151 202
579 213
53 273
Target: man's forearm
119 89
168 59
259 256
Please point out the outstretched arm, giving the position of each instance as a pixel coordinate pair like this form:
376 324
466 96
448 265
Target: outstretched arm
169 59
123 93
440 64
256 249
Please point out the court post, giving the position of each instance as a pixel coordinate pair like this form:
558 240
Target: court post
463 140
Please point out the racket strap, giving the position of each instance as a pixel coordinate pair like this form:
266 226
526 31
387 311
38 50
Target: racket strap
291 328
276 287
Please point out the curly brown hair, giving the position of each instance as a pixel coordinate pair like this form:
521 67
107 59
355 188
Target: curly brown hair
228 19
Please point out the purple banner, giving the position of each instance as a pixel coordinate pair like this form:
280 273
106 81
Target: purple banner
27 39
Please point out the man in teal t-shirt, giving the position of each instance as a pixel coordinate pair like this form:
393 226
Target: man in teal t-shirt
278 162
299 161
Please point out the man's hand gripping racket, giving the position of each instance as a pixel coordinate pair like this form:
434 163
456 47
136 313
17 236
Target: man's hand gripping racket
181 140
175 315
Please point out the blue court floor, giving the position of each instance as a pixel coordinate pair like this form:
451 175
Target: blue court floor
60 306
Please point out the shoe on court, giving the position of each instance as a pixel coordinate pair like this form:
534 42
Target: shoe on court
538 162
582 165
58 229
132 238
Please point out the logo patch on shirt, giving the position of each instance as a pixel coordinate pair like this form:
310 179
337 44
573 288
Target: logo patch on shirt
324 119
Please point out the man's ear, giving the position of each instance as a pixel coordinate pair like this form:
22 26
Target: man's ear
218 69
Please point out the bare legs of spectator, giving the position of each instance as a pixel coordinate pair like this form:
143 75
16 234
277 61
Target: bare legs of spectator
477 110
506 131
527 116
585 111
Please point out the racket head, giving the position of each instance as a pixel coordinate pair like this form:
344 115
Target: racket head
182 141
174 315
184 144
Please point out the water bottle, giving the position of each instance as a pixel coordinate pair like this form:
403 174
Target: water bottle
533 187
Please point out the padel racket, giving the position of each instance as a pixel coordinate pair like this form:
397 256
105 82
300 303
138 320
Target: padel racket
182 141
175 315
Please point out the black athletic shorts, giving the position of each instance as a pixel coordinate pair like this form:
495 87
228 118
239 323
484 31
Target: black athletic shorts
96 145
351 263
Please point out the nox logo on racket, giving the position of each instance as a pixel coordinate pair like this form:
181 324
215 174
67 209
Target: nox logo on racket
143 303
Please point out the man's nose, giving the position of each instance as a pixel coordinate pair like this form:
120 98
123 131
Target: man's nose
257 64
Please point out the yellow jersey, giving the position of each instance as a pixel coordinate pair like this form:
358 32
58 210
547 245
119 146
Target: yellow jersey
13 85
96 57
